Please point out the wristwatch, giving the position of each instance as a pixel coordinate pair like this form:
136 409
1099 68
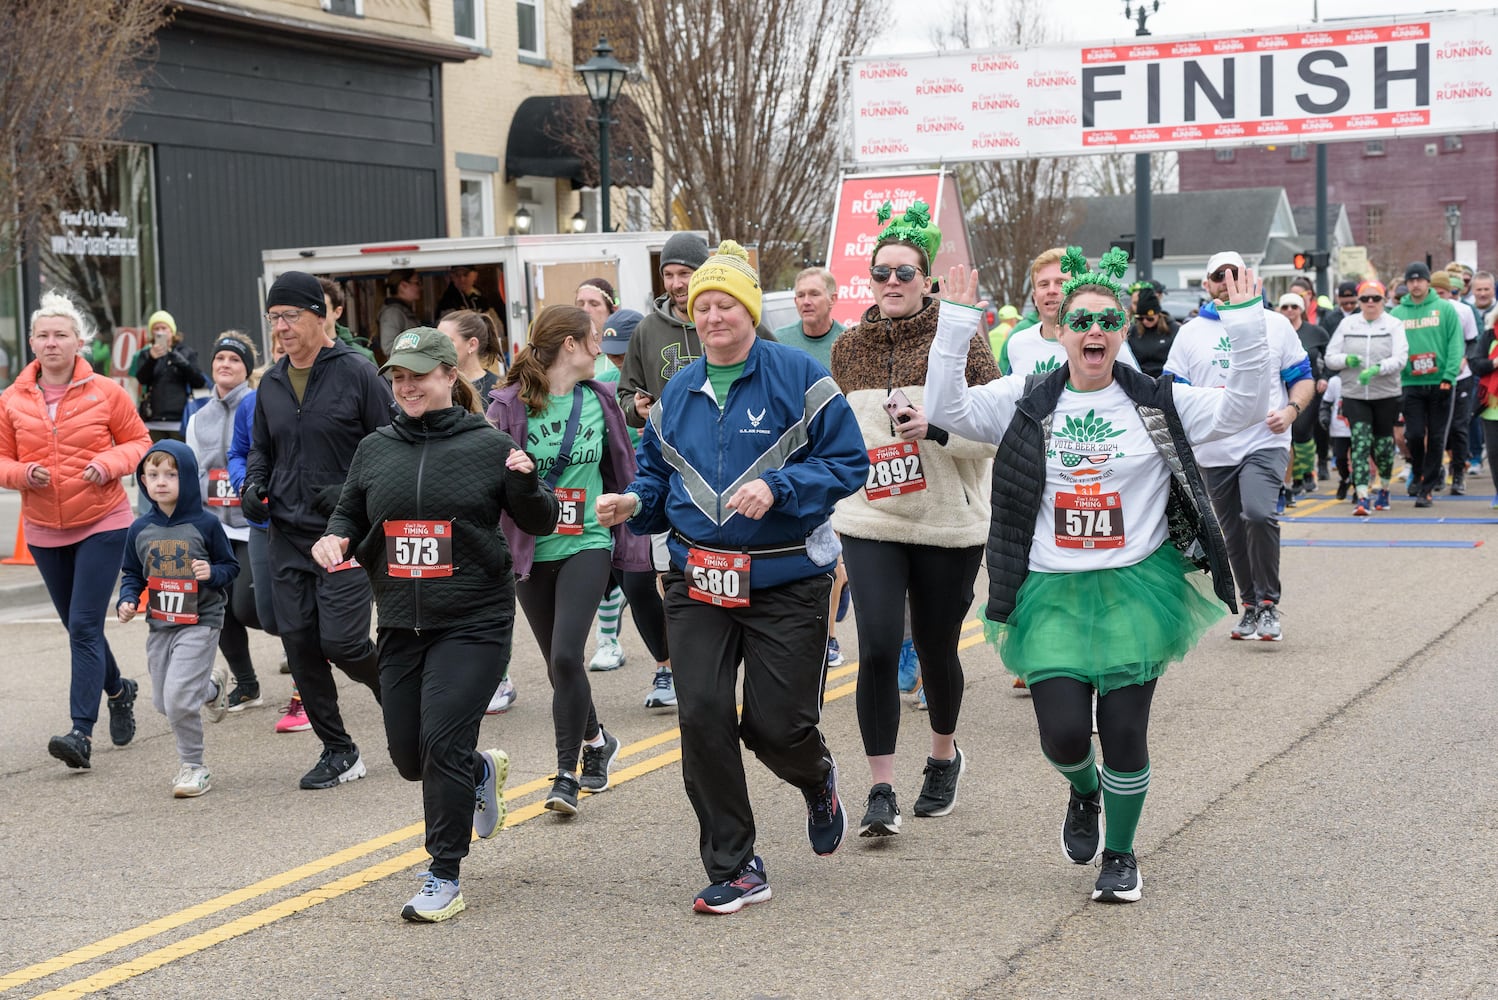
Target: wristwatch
1298 410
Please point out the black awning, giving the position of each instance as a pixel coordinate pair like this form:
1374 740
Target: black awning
557 137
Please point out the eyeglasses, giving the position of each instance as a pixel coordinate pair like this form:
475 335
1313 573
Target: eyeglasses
1288 306
288 316
1111 320
1370 298
905 272
1223 271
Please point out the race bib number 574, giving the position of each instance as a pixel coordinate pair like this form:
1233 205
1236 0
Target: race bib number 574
1089 521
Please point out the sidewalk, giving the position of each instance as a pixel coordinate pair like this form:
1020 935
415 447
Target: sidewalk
20 586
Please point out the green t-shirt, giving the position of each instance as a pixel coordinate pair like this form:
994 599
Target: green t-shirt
544 435
605 370
721 378
298 377
818 347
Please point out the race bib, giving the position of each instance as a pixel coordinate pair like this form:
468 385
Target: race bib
1423 364
570 511
221 492
719 578
349 563
173 600
1089 521
894 470
418 550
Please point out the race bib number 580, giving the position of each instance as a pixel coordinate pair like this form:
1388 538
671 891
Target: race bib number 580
718 578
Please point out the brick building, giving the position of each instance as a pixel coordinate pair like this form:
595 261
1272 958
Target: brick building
1395 190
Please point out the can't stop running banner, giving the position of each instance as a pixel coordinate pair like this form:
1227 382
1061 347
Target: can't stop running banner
1347 80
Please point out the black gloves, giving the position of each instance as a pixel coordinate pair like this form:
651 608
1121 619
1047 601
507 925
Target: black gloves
253 502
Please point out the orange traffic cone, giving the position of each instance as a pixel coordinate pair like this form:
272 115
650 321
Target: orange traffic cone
22 556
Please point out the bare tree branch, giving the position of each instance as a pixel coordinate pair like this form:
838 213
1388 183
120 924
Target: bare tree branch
69 72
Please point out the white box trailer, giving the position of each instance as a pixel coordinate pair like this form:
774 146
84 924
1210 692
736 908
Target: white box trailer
518 275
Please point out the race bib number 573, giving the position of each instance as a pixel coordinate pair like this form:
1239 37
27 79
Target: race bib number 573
718 578
418 550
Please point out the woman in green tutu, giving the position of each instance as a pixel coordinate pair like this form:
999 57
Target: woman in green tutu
1100 518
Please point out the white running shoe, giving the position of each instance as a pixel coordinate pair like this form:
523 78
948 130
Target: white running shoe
610 656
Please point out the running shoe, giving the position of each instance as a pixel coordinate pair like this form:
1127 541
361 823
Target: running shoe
598 762
1458 486
1119 881
1424 500
1474 467
504 697
285 665
245 696
294 719
750 885
191 781
1381 501
74 749
910 667
217 707
1342 490
335 767
834 653
1269 622
939 787
563 797
882 817
437 899
489 795
826 819
609 656
662 690
1360 509
1019 686
1081 837
122 713
1248 625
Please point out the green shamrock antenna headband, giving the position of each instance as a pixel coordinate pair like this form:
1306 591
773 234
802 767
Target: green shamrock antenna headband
913 228
1110 269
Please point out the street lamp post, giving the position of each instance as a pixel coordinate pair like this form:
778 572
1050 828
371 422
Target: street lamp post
1144 243
1453 225
603 78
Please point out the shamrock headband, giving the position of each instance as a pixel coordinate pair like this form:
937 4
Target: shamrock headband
1110 268
913 228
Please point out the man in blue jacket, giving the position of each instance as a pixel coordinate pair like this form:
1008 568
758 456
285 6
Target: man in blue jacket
742 459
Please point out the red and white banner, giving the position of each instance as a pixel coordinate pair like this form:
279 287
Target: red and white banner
855 230
1357 80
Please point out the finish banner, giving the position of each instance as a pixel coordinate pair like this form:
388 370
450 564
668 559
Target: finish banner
855 230
1347 80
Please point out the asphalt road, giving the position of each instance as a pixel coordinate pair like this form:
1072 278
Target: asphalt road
1320 824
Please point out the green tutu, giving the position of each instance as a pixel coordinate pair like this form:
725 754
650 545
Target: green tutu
1108 627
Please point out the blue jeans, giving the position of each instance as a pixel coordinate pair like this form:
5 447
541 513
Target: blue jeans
80 579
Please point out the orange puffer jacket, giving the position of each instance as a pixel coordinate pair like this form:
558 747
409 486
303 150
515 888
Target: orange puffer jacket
96 422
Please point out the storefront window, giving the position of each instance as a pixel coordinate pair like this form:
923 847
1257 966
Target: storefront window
100 248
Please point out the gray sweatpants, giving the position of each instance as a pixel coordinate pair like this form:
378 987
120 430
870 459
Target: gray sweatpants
1244 498
181 663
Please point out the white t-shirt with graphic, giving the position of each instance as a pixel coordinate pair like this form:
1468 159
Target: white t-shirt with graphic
1031 354
1201 356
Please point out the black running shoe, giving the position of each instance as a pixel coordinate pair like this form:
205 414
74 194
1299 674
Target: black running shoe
882 817
122 713
1080 836
245 696
597 762
826 819
73 749
1119 881
939 789
750 885
334 768
563 797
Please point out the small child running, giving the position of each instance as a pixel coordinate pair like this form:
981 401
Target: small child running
178 567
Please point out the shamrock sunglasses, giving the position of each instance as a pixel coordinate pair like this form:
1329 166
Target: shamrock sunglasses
1111 320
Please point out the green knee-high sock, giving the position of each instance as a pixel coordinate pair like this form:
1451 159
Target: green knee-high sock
1304 462
1123 801
1082 775
608 615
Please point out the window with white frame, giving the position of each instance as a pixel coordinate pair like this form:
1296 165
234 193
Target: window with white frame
475 204
1225 155
348 8
531 27
468 21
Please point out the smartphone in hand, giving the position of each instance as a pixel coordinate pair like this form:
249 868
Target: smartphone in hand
896 401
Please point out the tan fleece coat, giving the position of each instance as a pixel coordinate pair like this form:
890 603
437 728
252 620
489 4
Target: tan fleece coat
868 363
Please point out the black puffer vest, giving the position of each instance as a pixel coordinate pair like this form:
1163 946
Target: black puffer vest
1020 464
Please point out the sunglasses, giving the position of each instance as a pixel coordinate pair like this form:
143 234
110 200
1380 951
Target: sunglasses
1370 298
904 273
1223 271
1111 320
1284 307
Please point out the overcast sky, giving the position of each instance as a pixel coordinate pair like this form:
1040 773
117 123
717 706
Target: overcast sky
1102 20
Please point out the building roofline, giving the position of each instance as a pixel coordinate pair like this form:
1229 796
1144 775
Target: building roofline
232 14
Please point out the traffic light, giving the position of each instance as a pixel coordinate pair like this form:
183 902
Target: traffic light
1310 260
1302 261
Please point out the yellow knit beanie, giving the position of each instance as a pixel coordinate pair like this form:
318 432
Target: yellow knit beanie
162 316
728 271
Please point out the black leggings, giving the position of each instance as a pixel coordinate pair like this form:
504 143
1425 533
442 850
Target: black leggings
560 598
939 582
239 615
1063 708
646 608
